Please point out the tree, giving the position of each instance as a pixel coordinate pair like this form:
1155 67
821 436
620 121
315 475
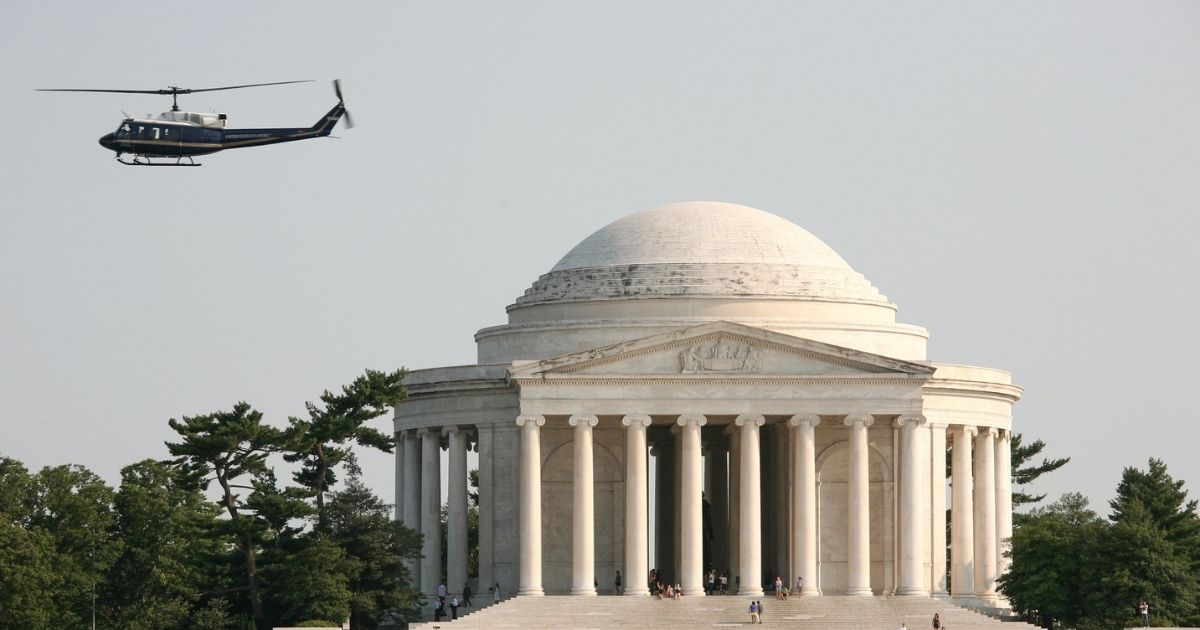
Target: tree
1044 582
74 507
1023 474
28 580
231 447
311 583
374 553
321 442
171 548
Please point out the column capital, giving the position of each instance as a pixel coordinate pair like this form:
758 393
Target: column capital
750 419
639 419
452 430
423 431
578 421
865 419
913 420
1004 434
967 430
991 432
809 419
689 418
535 421
934 426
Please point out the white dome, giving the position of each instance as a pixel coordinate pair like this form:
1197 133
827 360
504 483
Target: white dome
701 249
701 232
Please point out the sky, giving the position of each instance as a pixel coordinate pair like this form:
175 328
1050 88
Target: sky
1019 177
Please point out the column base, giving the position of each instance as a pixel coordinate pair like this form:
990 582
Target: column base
912 591
530 592
585 592
750 592
861 591
810 591
633 593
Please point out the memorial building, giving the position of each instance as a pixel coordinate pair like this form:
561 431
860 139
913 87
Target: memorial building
726 372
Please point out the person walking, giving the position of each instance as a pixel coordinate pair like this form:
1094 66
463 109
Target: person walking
761 610
799 585
753 612
466 600
617 583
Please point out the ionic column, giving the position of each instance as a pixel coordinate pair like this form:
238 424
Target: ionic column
530 582
399 490
749 507
962 517
412 482
583 509
431 510
937 507
1003 500
985 515
911 523
691 526
858 566
733 562
486 447
456 510
804 500
637 520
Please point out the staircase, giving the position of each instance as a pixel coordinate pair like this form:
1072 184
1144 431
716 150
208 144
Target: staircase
648 613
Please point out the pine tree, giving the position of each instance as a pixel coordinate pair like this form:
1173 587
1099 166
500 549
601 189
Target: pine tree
1023 475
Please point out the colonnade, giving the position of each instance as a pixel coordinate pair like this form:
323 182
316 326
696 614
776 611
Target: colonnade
981 504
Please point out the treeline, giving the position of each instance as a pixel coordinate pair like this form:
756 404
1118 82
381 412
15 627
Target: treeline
209 539
1073 569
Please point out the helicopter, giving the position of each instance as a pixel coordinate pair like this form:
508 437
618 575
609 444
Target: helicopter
176 136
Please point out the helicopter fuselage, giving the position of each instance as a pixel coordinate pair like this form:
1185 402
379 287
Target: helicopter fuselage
187 134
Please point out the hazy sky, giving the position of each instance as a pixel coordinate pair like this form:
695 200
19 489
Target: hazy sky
1019 177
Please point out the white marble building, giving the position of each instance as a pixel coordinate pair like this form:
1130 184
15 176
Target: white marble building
794 427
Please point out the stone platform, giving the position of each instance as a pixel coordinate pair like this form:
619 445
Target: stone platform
805 613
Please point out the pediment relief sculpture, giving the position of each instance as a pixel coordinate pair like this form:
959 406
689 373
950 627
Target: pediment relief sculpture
721 355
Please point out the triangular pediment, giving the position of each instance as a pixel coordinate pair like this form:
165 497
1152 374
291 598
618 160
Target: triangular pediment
721 349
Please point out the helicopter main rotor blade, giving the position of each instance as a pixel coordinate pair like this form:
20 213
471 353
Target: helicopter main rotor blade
172 89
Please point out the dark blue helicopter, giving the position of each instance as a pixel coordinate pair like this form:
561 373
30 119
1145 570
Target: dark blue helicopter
176 136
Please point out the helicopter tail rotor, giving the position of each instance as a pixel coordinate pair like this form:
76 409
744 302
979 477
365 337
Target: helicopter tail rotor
337 89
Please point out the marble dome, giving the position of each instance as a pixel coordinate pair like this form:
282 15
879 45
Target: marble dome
698 249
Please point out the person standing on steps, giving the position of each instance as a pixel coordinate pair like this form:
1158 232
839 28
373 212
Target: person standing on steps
496 594
753 612
466 600
454 608
799 585
778 587
761 610
937 622
617 583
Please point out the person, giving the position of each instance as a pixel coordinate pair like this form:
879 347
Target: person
778 588
903 626
454 608
753 612
437 609
786 591
1144 609
724 584
799 585
441 591
761 610
937 622
466 600
617 583
678 591
496 594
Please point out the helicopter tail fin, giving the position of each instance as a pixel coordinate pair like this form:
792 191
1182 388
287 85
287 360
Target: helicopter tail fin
325 125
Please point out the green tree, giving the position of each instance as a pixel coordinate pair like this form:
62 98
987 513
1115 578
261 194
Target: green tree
231 448
374 553
1025 472
29 582
1045 583
74 507
171 548
322 441
310 583
1134 560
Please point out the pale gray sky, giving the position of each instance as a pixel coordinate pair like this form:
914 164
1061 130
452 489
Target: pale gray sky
1019 177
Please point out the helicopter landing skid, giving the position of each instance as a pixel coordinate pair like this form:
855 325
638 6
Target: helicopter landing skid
139 160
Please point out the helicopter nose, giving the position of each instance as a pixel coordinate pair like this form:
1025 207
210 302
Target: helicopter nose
106 141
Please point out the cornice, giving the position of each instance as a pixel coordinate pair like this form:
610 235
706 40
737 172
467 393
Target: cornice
682 379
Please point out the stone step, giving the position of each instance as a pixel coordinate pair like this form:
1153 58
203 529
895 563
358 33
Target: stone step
810 613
